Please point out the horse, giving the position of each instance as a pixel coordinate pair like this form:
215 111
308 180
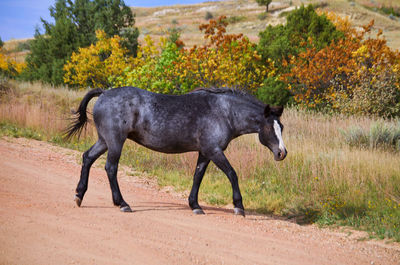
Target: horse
204 121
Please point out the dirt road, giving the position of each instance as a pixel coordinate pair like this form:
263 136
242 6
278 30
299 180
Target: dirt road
40 223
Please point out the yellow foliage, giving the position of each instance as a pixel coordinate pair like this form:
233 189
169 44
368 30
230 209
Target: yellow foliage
99 64
9 66
225 60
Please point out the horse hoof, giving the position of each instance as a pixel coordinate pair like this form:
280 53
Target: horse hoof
198 211
78 200
126 209
239 211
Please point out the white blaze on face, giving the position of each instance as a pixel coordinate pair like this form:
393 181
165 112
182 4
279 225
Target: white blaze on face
278 133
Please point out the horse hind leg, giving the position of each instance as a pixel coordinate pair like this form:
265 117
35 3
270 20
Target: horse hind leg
89 157
202 163
114 154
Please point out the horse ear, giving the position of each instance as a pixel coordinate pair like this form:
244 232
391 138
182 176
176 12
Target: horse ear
267 111
277 111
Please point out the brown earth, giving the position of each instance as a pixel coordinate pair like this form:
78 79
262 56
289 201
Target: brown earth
40 223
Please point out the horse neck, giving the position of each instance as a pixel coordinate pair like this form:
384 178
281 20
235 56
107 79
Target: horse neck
247 117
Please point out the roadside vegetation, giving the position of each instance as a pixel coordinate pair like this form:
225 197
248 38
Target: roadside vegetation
326 178
341 87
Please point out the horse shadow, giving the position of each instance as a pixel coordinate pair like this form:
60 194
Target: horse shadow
254 214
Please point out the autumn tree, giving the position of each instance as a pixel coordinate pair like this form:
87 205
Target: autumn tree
9 67
224 60
355 75
99 64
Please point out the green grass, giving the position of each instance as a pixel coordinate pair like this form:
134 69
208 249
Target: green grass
11 130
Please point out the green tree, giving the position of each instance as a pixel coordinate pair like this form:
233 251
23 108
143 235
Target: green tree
274 92
75 25
264 3
303 25
1 43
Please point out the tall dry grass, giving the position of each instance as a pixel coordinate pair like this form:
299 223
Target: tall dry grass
42 107
322 179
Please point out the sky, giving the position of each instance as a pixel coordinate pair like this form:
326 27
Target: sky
19 18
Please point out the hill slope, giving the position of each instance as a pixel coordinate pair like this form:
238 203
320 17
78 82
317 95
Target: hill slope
244 17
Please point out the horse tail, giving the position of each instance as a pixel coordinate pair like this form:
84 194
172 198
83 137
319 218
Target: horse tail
81 119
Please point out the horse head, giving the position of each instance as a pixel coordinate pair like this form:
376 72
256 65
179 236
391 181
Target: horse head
270 133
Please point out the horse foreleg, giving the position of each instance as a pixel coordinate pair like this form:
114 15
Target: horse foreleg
202 163
88 159
222 163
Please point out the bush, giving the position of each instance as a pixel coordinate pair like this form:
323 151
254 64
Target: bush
225 60
262 16
235 19
380 136
274 92
98 65
376 93
208 15
354 75
153 69
279 42
9 68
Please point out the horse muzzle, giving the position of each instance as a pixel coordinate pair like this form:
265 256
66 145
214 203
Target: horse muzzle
280 155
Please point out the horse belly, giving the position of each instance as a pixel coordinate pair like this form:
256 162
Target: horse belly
170 145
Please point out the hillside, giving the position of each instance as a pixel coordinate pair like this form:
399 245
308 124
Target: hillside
244 17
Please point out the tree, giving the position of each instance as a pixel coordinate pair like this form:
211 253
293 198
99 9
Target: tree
74 27
1 43
358 74
264 3
303 24
98 64
225 60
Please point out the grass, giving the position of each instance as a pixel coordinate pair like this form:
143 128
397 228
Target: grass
323 179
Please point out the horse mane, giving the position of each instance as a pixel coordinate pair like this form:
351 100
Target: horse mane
231 91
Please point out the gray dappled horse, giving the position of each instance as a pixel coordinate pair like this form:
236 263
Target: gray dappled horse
205 121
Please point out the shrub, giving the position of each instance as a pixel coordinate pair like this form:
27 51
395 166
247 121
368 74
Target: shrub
9 68
98 65
208 15
279 42
225 60
354 75
153 68
262 16
274 92
376 93
235 19
380 136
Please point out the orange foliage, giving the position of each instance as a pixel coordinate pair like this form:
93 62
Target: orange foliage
224 60
318 78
